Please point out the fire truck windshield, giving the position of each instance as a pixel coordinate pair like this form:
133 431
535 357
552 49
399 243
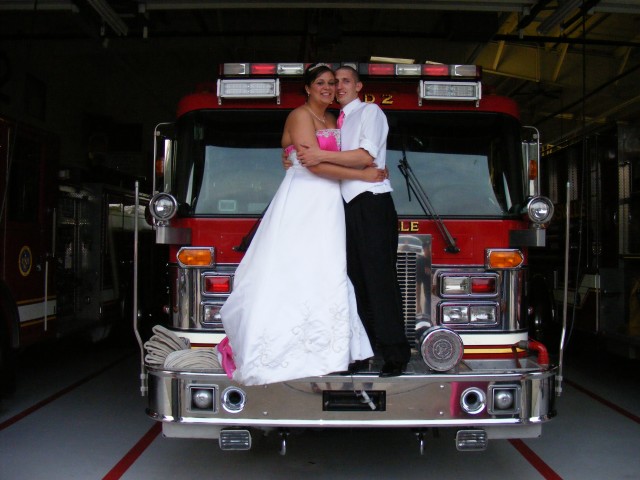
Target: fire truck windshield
469 164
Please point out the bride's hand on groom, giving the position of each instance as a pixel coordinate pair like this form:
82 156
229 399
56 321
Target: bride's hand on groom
309 155
374 174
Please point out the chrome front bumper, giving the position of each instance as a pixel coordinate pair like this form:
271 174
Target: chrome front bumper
471 397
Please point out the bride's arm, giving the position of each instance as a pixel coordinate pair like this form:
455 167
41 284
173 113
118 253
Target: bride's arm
299 130
310 155
337 172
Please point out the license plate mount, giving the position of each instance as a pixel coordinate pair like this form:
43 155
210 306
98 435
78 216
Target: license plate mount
354 401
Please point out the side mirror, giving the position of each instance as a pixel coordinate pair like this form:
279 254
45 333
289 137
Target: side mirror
162 158
531 159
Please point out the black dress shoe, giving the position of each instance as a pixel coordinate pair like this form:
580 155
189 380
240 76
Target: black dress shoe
392 369
359 366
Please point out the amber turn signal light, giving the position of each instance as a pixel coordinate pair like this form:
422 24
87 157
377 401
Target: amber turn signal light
504 258
196 256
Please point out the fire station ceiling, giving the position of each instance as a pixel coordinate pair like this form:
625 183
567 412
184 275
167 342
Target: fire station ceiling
570 64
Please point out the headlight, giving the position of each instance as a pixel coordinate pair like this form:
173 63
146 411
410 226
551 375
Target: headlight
163 207
540 210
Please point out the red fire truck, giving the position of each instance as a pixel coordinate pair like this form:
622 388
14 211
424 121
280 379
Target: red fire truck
67 246
469 206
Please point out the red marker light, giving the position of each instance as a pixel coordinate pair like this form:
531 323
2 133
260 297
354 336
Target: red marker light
215 284
263 68
483 285
382 69
435 70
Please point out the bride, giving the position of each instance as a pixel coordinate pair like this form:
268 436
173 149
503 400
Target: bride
292 312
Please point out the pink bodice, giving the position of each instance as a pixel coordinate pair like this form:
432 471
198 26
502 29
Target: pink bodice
328 139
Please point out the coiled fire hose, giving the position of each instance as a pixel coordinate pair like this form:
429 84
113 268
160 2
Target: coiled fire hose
166 349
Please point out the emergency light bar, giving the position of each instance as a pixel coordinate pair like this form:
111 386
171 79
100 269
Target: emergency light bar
437 81
426 70
249 88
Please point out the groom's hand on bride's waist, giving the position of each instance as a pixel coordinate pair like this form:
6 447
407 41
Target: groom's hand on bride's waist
286 163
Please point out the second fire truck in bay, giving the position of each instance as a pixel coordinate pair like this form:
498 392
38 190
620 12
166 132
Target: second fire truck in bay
66 247
464 174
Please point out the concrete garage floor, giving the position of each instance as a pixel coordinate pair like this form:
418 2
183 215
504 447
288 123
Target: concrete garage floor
78 414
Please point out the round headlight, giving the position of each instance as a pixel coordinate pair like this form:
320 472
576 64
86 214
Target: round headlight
163 206
540 210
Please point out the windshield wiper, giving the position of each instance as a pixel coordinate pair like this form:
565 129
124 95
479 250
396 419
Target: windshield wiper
246 240
413 185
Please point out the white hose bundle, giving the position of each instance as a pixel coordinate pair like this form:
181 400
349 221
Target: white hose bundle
200 358
161 344
166 349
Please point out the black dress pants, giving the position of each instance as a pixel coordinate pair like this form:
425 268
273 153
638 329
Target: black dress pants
372 246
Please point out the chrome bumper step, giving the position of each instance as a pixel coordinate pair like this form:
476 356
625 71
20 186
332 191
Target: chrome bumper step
234 439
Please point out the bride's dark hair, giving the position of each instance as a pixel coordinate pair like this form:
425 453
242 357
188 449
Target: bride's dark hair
314 70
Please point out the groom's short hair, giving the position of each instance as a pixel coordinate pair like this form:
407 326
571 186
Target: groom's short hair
354 72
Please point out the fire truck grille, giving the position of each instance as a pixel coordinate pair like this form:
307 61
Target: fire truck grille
407 268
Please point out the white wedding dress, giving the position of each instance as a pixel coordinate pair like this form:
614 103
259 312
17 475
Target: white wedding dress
292 312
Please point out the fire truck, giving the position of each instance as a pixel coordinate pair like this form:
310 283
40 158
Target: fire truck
592 178
67 246
464 174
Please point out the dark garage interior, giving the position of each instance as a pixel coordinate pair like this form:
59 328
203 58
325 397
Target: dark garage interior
95 77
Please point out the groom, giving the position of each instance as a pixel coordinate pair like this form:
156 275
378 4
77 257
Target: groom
371 221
